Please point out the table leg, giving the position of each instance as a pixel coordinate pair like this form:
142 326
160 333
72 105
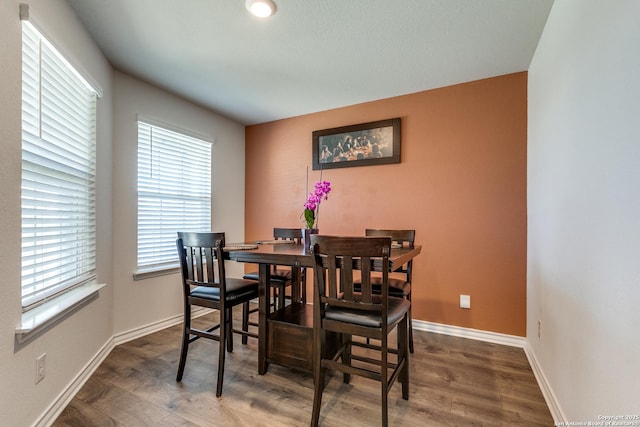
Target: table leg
295 284
263 313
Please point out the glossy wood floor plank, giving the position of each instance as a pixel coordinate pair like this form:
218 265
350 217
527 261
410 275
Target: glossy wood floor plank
454 382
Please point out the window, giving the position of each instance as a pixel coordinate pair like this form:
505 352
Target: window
174 192
58 173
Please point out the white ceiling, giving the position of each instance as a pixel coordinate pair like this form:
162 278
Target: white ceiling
312 55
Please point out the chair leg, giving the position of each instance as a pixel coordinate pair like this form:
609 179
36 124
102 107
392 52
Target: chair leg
273 303
385 380
410 335
245 321
229 326
185 342
403 356
346 356
273 298
410 325
319 337
318 388
303 286
281 296
221 351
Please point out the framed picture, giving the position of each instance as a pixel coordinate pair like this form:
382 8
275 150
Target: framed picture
365 144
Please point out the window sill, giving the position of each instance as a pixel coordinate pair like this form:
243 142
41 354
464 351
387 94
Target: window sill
51 311
155 272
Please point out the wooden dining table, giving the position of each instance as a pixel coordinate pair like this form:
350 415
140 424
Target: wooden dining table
285 337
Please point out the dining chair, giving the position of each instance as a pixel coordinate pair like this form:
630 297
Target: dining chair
282 276
398 286
205 284
340 312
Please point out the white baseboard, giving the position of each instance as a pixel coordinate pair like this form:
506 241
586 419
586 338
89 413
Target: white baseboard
504 339
142 331
474 334
545 387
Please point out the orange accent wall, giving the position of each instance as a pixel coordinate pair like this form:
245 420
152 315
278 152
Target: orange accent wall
461 185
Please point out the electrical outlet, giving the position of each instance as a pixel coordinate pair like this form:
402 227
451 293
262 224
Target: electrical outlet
465 301
41 367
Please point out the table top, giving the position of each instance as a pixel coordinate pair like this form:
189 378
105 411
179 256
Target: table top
296 255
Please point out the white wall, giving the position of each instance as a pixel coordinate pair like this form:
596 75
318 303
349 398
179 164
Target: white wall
124 305
76 339
584 207
132 298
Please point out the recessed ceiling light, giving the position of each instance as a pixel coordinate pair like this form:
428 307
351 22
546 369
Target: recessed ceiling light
261 8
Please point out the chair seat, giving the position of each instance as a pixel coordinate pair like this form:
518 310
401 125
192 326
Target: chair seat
397 287
280 275
237 289
397 308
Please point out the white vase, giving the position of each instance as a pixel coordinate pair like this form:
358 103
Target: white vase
306 237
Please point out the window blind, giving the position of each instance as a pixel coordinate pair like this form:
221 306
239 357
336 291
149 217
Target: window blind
58 172
174 192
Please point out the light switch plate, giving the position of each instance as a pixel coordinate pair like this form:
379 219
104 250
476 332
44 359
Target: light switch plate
41 367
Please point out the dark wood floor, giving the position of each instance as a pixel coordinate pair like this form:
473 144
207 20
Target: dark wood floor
454 382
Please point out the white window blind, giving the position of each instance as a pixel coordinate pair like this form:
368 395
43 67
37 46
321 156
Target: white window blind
174 192
58 172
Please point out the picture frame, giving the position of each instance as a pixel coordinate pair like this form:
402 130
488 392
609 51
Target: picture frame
364 144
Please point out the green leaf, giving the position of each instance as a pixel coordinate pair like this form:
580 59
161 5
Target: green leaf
309 217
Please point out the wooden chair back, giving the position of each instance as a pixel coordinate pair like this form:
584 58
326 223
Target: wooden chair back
294 234
405 238
202 261
336 258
